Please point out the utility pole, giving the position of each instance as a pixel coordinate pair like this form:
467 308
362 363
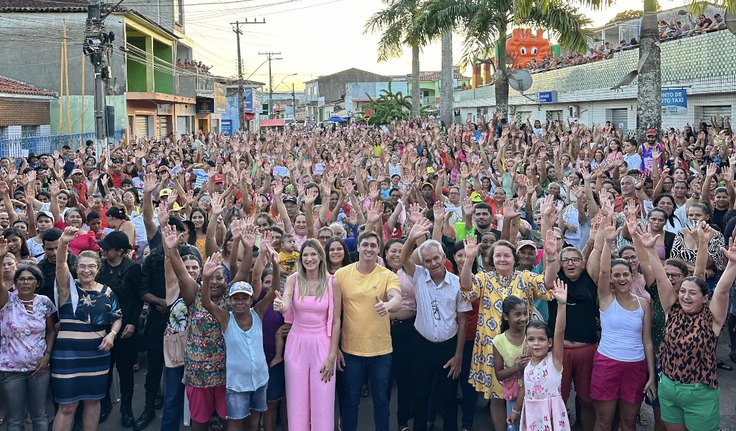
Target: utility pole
270 56
97 46
241 91
293 100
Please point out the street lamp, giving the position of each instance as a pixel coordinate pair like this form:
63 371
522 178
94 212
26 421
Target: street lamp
277 86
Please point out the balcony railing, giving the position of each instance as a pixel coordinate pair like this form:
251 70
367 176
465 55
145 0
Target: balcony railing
186 85
205 85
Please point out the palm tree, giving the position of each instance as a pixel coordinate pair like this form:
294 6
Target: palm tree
487 22
649 89
395 23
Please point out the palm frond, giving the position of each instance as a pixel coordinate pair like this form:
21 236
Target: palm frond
563 20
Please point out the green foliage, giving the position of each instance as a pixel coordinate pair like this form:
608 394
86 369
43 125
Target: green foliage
389 107
626 15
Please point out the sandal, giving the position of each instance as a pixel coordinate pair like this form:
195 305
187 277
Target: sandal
641 421
724 366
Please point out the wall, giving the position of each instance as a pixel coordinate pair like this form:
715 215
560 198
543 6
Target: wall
137 75
75 104
332 87
34 57
164 81
159 11
24 112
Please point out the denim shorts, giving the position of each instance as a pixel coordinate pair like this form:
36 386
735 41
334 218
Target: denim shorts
276 383
240 404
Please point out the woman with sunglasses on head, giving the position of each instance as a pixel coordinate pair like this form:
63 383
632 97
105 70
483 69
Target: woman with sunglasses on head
86 310
27 334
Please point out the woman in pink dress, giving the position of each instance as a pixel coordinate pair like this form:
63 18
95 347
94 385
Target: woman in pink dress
540 403
313 308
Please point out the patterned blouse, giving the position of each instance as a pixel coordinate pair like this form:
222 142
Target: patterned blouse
492 288
681 251
688 351
23 334
204 357
658 317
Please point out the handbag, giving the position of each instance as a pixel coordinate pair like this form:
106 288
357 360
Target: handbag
174 346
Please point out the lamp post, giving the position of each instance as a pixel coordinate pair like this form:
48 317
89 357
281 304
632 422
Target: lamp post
277 86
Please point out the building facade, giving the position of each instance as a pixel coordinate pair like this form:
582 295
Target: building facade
698 81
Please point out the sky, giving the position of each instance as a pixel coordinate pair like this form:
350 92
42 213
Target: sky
314 37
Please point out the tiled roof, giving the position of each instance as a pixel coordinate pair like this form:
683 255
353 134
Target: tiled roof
435 76
43 5
12 86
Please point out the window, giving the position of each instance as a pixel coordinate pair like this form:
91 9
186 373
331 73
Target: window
708 112
554 115
3 132
178 12
27 131
618 117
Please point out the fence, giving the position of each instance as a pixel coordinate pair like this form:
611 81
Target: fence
21 146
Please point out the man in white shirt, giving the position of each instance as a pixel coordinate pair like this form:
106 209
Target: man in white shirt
440 322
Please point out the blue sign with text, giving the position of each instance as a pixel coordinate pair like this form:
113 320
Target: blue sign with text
248 100
674 101
226 126
547 97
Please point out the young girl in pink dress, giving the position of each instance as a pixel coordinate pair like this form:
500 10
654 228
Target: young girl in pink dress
539 403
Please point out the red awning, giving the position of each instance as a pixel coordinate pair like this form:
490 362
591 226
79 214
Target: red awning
276 122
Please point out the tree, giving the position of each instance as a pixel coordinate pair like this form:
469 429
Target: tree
487 22
649 89
626 15
389 107
395 23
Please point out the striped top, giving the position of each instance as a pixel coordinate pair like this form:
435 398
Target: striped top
438 305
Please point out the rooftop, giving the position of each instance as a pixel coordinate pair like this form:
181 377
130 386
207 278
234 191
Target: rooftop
11 86
437 75
43 5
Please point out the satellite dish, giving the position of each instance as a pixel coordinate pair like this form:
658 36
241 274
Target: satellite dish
520 80
730 19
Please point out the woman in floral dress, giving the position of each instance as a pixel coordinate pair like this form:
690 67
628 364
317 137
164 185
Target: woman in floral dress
492 287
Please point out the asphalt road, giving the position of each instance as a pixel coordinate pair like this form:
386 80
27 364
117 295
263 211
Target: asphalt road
727 380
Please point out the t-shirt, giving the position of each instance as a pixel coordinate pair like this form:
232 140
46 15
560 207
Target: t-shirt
288 261
364 332
582 299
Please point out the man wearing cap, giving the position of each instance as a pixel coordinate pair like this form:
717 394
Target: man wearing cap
79 184
123 276
219 183
646 152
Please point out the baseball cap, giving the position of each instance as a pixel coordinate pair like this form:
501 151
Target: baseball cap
218 178
117 213
77 171
525 243
651 132
45 213
115 241
165 192
475 197
241 287
289 198
176 207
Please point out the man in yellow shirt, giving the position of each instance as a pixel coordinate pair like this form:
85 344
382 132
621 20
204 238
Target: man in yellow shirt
369 293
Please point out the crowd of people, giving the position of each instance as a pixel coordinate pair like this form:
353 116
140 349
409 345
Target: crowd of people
667 31
194 65
282 276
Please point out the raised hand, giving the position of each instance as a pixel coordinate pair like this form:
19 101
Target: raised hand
212 264
471 247
217 204
311 196
730 253
163 213
647 239
375 211
248 235
170 237
421 228
70 232
559 291
550 245
438 210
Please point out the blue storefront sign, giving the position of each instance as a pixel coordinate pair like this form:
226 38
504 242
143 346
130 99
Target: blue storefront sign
248 100
547 97
226 126
674 101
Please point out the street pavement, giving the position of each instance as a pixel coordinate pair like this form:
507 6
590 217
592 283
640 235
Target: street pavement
727 380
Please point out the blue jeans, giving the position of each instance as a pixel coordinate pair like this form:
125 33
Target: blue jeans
173 398
378 369
25 392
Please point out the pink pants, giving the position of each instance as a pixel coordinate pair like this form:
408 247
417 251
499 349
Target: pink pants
311 401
